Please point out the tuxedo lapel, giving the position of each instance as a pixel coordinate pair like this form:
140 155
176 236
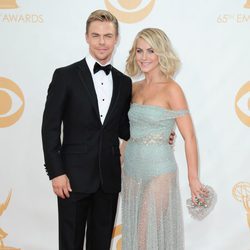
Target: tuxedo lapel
115 95
87 81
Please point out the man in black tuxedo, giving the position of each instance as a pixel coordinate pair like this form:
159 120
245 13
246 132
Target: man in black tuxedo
90 98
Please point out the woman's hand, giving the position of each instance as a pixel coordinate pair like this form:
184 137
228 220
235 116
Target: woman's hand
122 151
198 191
171 138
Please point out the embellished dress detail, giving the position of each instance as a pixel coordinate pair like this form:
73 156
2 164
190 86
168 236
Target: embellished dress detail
151 206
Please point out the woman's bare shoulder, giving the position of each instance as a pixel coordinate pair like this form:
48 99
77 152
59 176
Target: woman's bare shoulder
173 87
175 95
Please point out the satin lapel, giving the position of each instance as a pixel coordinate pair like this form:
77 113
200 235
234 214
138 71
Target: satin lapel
87 81
115 95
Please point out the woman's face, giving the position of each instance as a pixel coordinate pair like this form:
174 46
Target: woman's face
145 57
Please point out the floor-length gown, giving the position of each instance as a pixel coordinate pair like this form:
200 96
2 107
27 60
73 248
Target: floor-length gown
151 206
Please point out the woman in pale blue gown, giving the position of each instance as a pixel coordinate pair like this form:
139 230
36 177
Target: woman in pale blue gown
151 207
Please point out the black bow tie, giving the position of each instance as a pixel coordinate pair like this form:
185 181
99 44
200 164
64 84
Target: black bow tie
106 68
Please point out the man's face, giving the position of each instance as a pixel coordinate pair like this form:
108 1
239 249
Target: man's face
102 39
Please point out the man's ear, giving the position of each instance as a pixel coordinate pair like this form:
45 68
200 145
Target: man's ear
117 40
86 37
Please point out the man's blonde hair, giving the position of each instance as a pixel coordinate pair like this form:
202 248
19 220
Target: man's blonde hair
103 16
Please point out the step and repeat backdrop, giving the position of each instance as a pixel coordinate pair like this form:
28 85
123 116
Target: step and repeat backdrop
212 39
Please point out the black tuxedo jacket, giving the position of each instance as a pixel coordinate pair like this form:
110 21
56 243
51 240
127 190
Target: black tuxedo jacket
86 150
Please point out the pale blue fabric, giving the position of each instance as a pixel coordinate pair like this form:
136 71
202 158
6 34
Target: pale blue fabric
151 207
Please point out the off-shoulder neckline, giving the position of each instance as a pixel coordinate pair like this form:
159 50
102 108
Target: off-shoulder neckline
158 107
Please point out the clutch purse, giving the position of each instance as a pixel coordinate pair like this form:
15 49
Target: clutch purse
200 210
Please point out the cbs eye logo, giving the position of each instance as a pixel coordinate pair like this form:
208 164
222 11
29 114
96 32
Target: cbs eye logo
8 4
133 11
242 104
11 102
247 4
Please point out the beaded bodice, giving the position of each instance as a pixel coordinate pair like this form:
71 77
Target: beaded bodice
152 124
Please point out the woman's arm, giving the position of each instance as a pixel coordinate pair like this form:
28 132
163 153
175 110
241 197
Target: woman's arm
122 151
177 101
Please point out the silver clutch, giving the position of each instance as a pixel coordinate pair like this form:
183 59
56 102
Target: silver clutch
200 210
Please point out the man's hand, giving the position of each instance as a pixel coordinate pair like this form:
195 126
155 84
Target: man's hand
61 186
171 138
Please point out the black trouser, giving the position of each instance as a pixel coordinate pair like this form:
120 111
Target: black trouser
97 209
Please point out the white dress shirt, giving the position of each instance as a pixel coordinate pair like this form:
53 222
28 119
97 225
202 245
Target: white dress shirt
103 87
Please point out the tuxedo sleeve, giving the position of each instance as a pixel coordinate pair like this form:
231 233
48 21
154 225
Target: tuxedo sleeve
124 128
51 125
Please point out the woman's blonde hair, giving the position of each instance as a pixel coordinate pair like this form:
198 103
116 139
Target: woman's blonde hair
160 43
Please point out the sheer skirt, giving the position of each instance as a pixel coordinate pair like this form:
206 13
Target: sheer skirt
151 213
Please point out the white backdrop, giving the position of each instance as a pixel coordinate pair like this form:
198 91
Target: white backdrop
212 39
